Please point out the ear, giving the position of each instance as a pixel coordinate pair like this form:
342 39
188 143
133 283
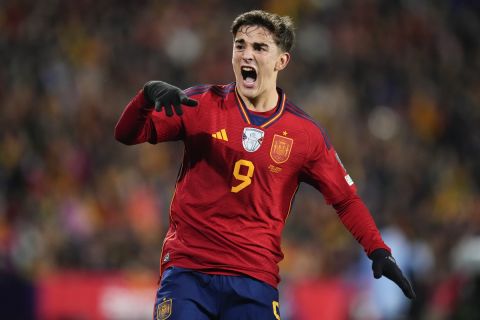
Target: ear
282 61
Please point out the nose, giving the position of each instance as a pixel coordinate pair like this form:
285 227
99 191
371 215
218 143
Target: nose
247 54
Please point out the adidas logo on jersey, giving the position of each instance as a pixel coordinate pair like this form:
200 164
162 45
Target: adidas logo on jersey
222 135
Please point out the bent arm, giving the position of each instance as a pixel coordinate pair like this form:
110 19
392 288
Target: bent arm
140 123
136 124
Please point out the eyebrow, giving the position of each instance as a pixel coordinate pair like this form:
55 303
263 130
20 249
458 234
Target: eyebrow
255 44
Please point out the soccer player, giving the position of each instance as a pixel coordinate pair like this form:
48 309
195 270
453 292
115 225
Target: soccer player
247 148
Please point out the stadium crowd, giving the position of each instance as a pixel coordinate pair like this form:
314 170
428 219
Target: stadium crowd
396 84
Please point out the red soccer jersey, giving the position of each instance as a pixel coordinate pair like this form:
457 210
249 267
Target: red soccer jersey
238 179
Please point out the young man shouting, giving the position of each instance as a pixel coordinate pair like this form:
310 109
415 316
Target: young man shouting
247 148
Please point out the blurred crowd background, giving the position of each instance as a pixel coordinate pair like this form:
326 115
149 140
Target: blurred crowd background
396 84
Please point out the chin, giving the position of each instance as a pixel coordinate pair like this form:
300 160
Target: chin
249 93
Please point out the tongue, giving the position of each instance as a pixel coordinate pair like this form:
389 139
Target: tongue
249 80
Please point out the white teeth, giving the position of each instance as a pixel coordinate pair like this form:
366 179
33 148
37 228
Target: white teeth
247 68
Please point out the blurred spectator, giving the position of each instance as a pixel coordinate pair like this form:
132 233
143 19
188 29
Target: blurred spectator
395 83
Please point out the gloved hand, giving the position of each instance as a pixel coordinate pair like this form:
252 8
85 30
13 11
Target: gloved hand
164 95
383 264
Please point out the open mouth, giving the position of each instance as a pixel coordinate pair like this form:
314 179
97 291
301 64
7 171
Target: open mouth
249 74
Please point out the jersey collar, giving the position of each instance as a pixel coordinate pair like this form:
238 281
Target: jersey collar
250 118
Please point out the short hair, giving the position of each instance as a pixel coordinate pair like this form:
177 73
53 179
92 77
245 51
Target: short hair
280 26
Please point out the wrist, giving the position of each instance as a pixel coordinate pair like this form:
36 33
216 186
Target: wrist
142 100
379 253
147 94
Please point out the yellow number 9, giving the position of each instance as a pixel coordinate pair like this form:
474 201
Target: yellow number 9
246 179
276 309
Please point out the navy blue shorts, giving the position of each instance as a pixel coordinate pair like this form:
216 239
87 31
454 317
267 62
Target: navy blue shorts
189 295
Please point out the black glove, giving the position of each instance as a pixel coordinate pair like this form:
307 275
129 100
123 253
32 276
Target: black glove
383 264
162 94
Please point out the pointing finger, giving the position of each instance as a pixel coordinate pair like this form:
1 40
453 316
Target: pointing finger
168 111
189 102
158 105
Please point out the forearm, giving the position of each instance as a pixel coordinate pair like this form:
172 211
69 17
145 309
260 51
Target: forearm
135 124
357 219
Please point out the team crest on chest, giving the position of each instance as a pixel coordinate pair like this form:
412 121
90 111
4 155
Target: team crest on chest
252 139
281 147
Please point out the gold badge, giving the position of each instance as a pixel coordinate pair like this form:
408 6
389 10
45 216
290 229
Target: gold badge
164 309
281 147
274 169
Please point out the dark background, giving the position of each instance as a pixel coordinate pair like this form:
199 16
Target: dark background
396 84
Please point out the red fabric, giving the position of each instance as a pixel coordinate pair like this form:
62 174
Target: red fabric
230 204
134 125
357 219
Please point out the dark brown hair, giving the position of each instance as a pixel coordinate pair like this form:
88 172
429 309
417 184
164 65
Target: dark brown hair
280 26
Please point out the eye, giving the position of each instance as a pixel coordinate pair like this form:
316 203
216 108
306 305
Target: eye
259 47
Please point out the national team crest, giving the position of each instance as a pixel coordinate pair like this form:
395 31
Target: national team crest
252 139
164 310
281 147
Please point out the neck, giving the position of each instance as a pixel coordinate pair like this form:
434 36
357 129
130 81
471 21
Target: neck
264 102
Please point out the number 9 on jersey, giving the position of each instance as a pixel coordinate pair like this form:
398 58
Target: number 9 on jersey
245 179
